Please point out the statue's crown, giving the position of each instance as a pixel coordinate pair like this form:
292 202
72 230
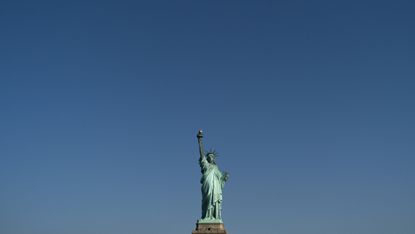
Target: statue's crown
212 152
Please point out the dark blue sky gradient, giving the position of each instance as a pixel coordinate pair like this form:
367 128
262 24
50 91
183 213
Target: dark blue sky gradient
309 103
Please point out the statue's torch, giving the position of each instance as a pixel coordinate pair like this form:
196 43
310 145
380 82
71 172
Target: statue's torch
200 134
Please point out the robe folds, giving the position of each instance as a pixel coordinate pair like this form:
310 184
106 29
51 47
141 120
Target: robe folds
212 185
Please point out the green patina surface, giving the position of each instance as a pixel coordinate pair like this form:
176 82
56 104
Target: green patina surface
210 221
213 181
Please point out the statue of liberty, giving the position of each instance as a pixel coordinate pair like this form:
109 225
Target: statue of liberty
213 181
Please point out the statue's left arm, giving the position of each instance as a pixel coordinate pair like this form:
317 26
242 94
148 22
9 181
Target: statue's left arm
225 177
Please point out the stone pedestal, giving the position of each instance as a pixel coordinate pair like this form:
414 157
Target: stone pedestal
209 228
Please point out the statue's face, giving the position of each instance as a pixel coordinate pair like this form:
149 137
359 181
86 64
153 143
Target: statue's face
210 158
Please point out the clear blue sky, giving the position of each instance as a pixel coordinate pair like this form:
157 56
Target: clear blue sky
309 103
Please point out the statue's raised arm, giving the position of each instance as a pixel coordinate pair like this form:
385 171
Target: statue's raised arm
199 139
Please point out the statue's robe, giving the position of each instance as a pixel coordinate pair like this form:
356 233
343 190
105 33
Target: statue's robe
212 185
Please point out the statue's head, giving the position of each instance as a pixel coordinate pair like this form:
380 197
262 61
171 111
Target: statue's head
211 156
